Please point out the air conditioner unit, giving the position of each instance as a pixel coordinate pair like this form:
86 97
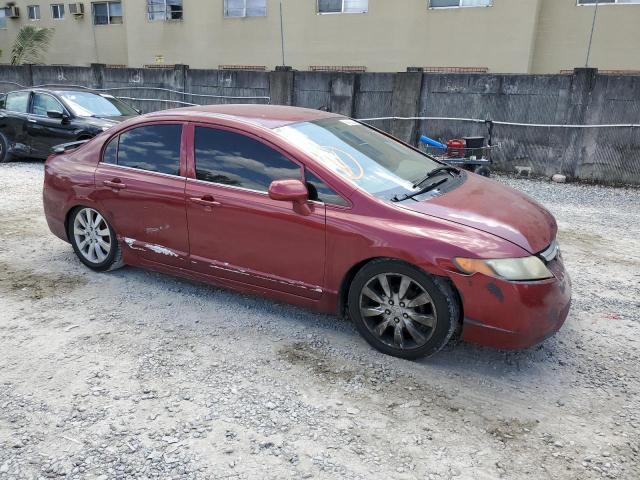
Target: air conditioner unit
12 12
76 9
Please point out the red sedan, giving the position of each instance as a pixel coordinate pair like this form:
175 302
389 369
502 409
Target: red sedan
318 210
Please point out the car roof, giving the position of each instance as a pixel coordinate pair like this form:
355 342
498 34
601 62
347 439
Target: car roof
57 90
268 116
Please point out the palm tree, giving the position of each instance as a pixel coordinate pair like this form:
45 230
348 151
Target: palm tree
30 44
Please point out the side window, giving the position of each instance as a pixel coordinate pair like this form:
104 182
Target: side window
155 148
233 159
43 103
111 152
17 102
321 192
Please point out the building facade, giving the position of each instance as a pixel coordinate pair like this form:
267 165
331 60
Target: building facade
501 36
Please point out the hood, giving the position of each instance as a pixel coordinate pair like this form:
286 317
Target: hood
494 208
105 121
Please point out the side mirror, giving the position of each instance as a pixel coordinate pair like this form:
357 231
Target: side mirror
55 114
291 191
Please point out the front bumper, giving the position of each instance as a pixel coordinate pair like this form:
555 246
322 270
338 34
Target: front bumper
513 315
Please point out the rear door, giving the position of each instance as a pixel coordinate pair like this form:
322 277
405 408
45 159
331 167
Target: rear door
44 132
140 185
13 121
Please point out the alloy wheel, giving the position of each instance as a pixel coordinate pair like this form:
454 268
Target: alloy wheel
92 235
398 310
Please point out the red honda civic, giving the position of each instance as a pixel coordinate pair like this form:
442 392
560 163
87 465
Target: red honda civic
318 210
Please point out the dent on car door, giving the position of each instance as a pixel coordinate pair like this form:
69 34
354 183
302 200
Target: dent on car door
13 122
140 187
236 231
45 132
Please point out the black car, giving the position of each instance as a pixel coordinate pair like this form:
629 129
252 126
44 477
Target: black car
35 120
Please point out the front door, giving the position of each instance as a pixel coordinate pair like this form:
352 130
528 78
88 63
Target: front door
236 231
44 132
140 187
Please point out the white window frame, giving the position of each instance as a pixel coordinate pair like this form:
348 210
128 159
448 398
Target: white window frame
108 3
35 9
460 6
244 13
341 12
61 12
166 17
603 4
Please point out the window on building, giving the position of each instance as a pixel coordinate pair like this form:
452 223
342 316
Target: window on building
459 3
3 18
233 159
343 6
107 13
245 8
621 2
57 11
33 12
162 10
155 148
17 102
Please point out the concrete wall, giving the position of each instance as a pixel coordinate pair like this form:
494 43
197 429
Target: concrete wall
609 155
512 36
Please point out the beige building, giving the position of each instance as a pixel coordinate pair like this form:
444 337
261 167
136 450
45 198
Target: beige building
510 36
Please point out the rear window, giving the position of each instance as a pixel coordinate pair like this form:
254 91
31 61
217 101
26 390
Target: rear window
17 102
155 148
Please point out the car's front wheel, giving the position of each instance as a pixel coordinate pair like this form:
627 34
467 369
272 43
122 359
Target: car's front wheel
93 240
401 310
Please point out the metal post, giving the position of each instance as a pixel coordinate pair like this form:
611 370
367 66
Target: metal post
282 34
593 27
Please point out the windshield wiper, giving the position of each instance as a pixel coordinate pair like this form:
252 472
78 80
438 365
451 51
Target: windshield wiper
426 189
434 172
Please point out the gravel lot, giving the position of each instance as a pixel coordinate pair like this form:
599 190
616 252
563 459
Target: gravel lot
133 374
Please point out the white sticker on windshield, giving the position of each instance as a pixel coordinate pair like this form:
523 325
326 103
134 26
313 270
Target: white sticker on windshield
351 123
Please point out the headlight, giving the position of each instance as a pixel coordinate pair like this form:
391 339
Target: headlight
526 268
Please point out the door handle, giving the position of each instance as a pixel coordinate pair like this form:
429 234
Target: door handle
116 184
206 201
31 120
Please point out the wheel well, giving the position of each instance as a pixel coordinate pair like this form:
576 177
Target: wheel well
343 294
67 217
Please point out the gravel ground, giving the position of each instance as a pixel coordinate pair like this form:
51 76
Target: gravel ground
133 374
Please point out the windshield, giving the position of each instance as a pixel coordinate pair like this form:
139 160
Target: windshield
374 162
87 104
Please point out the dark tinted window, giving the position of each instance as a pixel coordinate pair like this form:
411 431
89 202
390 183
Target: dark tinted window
17 102
111 152
320 191
233 159
155 148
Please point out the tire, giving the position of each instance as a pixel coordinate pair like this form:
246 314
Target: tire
5 156
102 252
435 316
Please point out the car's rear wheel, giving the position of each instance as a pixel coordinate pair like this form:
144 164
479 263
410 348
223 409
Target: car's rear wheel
5 156
401 310
94 240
